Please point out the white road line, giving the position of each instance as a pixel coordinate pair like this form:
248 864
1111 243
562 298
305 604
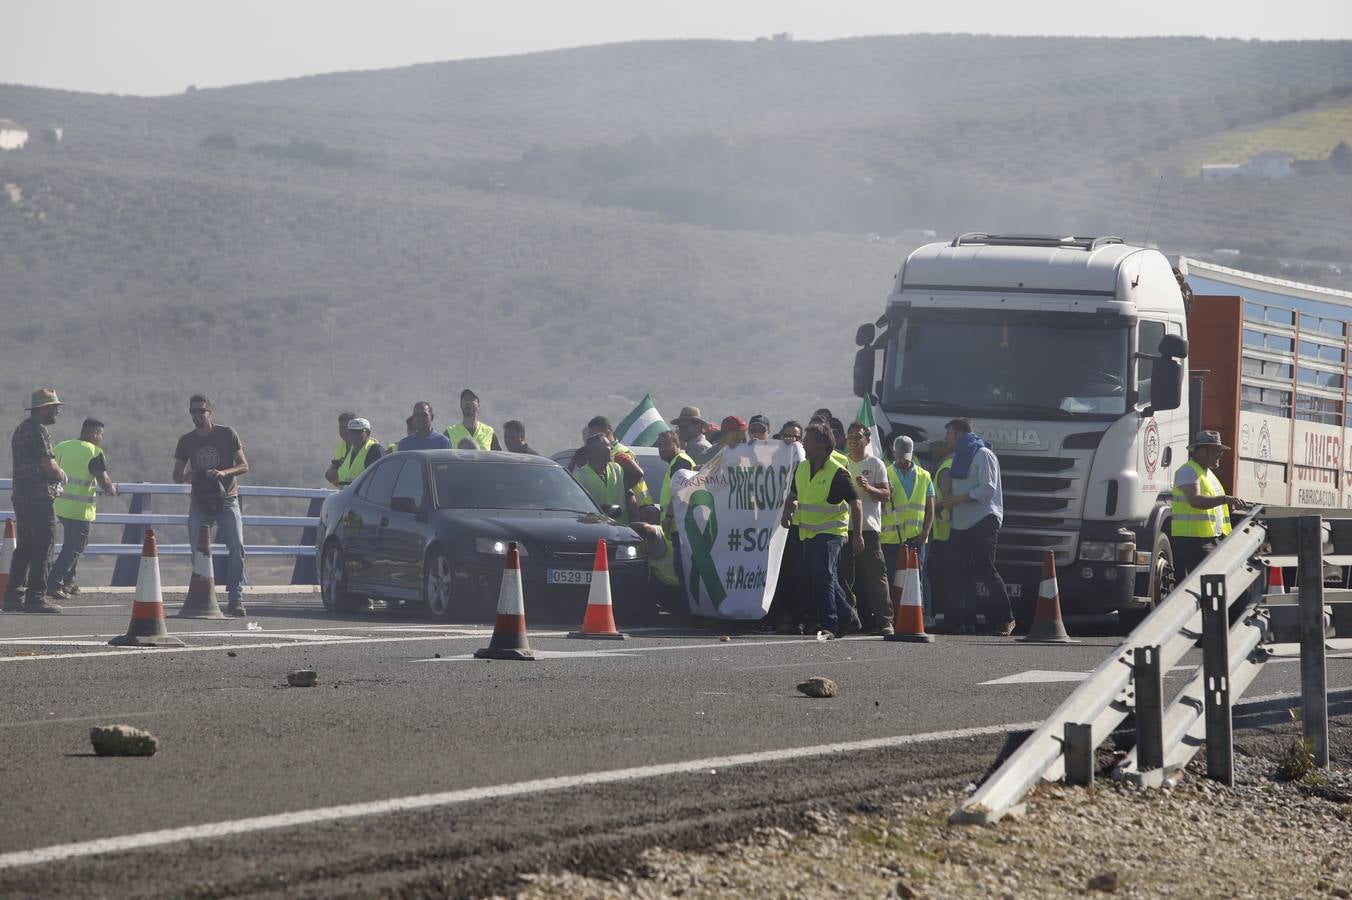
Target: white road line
1038 676
141 841
131 652
108 717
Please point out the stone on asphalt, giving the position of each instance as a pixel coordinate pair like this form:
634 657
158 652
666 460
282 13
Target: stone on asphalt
303 678
1104 881
122 740
818 686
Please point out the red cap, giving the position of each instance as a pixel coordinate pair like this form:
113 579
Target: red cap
733 423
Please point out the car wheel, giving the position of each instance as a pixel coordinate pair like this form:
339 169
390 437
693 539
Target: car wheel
1162 583
333 581
436 593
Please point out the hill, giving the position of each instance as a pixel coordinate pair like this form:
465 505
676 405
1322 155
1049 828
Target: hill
566 231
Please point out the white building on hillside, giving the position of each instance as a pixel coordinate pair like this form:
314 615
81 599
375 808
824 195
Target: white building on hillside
12 135
1268 164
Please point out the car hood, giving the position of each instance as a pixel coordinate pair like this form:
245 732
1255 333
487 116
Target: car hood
539 525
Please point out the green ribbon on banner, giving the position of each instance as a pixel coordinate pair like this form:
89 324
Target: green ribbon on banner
701 543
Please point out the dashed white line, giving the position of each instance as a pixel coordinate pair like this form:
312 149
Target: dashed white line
124 843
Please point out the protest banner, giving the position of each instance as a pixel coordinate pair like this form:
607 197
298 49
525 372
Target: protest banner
727 518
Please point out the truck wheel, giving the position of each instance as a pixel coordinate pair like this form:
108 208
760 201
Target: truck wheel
1161 584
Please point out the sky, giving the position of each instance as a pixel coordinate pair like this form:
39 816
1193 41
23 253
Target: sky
163 46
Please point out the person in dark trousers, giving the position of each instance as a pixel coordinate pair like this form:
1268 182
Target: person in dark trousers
865 572
37 481
86 467
828 514
1201 508
978 507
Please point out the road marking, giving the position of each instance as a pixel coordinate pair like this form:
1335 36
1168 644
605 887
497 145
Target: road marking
108 717
711 765
132 652
1038 676
545 654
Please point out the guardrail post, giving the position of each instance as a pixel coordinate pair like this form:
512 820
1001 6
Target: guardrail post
128 568
1079 751
1149 681
1314 698
305 571
1220 751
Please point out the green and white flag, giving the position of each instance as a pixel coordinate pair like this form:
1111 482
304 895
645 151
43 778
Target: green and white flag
642 426
865 417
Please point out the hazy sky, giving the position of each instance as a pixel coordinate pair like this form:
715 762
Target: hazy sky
162 46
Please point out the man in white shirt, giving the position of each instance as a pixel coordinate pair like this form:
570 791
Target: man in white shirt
865 573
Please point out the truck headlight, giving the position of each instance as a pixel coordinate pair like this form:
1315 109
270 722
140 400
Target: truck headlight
1108 551
497 547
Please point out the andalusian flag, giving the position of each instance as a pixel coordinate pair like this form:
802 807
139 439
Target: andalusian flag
642 426
865 417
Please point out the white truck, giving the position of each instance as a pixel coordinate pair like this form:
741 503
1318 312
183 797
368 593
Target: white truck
1071 356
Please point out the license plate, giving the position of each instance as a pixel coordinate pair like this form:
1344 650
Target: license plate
567 576
1014 590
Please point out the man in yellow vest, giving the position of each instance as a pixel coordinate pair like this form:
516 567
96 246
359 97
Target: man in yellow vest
828 512
602 478
1201 508
469 425
362 451
85 466
670 449
909 516
341 450
624 457
661 556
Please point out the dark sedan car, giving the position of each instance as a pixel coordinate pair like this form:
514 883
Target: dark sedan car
431 528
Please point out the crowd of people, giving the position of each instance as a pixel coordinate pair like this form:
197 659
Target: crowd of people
846 514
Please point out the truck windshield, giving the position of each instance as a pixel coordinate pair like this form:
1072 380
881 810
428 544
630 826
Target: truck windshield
1015 365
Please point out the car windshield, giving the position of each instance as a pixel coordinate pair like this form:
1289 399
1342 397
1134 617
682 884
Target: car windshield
490 485
1017 365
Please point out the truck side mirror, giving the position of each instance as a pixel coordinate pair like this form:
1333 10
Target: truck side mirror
863 370
1166 384
1174 345
864 335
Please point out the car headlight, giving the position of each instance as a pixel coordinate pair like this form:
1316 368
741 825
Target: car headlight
1108 551
497 547
627 551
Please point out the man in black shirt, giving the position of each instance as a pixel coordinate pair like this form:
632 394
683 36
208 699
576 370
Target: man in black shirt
514 434
36 480
215 456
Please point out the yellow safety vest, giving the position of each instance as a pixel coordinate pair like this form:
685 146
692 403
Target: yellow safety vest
483 435
77 501
665 496
1189 521
354 462
815 515
664 567
943 518
642 496
607 491
904 517
340 451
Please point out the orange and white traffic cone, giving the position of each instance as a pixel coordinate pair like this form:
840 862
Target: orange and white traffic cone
201 601
1048 628
910 611
6 556
509 630
147 611
598 622
1276 581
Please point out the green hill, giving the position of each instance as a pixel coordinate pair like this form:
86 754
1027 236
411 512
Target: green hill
565 231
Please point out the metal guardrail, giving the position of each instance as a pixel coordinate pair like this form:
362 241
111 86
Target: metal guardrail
140 517
1131 679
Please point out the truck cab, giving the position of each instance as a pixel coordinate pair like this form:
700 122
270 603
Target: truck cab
1069 356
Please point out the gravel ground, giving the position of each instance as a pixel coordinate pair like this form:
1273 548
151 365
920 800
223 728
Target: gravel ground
1267 836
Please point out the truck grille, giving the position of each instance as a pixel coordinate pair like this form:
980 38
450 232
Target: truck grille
1044 503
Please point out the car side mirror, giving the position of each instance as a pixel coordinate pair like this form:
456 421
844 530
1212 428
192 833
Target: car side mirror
404 505
613 510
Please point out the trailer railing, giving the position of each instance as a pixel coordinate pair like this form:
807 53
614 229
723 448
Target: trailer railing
140 517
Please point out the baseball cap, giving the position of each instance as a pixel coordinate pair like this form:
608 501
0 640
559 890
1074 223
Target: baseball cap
467 394
356 423
760 420
903 448
733 423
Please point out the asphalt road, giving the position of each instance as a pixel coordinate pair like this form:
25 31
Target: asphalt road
466 771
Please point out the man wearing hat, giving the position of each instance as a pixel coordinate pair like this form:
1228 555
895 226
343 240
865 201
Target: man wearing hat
758 429
1201 508
362 450
733 432
469 425
37 481
691 427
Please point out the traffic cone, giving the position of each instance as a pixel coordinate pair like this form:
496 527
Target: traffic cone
1276 581
1047 626
6 555
201 601
509 630
910 611
147 611
598 622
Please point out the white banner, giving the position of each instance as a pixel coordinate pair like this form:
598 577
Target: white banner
727 517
